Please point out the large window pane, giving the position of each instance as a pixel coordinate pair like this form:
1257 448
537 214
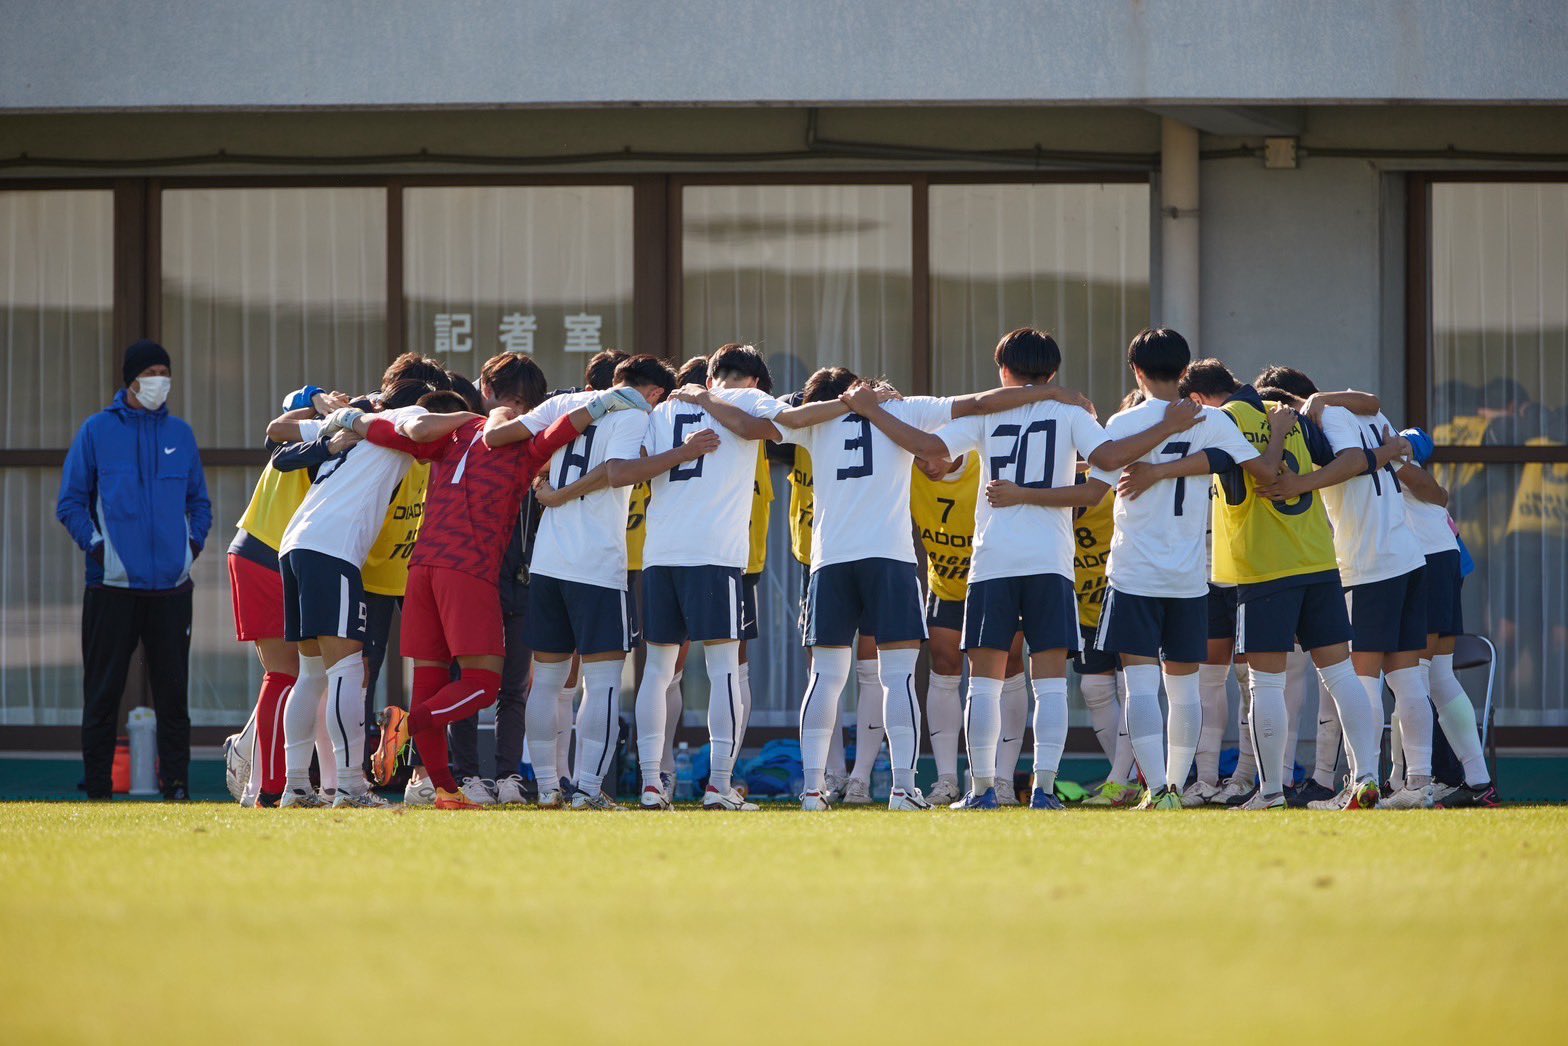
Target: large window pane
545 270
56 313
1070 259
265 290
1499 312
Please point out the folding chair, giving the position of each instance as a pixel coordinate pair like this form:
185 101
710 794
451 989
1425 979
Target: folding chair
1475 651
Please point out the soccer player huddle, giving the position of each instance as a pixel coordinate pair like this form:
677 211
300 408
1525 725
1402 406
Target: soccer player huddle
507 520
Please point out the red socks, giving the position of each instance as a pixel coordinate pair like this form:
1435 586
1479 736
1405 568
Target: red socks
269 729
437 704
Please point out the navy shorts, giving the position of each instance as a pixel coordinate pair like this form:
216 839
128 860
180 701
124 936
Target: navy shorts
1387 617
1155 626
1222 612
1444 616
564 616
875 597
702 604
322 596
1091 662
748 605
944 613
1044 606
1272 619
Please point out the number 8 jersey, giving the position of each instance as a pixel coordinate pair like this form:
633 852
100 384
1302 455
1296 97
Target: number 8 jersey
1034 446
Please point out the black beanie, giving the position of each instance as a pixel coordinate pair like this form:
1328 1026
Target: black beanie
141 355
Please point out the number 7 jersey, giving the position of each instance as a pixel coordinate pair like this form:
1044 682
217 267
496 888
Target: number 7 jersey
1033 446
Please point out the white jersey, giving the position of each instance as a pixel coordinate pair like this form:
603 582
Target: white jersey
861 482
1372 538
1033 446
1159 545
343 511
700 512
1433 529
584 540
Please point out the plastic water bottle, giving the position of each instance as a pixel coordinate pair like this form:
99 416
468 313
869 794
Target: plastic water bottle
881 777
142 727
685 774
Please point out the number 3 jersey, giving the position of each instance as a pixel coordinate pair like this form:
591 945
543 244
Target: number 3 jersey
584 540
862 483
1033 446
1159 546
700 511
1372 537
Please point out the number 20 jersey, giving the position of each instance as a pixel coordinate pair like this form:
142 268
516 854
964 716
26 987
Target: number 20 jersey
1033 446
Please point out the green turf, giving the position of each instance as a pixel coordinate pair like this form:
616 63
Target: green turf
209 923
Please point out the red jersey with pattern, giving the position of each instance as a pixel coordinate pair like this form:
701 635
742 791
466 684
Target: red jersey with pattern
475 492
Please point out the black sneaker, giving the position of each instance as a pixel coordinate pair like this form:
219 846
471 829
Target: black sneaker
176 793
1465 796
1239 800
1309 792
268 800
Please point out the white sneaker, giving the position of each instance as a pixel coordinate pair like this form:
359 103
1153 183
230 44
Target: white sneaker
598 801
550 799
714 799
653 798
366 800
236 767
1257 802
856 792
420 790
835 787
899 799
944 792
478 790
814 801
1231 793
1409 799
1442 791
509 791
1006 794
303 798
1199 793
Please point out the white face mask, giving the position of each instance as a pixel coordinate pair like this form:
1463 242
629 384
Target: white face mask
152 391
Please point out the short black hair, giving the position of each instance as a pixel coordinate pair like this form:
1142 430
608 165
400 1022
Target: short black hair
1132 399
1030 354
445 401
1271 394
741 361
1160 353
1288 379
465 388
1504 392
829 383
515 375
411 366
642 370
407 392
1207 377
693 372
600 372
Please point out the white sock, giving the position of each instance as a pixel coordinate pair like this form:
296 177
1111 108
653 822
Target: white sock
649 710
743 687
674 708
540 717
1362 733
901 713
1184 723
1099 697
1298 680
247 743
724 711
1266 722
346 721
301 713
1214 692
1015 720
1325 758
1050 729
1416 723
1456 713
1123 765
565 717
1145 724
1372 694
836 764
598 722
982 730
818 710
1396 751
869 721
944 718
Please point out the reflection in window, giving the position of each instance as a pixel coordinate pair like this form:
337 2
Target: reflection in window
545 270
56 313
1070 259
265 290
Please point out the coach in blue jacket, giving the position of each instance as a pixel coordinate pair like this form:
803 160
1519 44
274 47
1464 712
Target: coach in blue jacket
135 501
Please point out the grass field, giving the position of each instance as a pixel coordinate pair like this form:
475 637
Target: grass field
211 923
